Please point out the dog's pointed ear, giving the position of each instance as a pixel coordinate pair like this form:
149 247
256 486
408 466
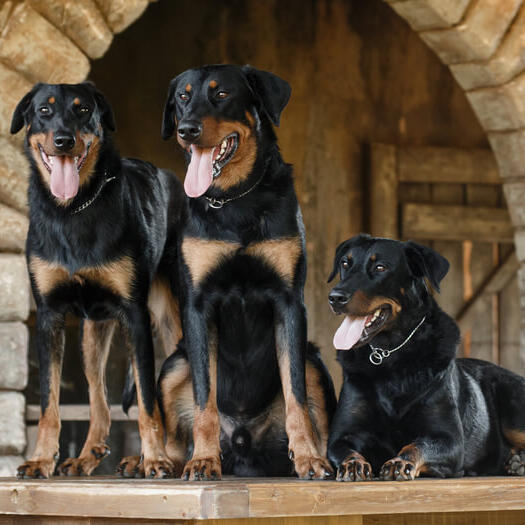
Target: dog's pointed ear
106 113
339 252
426 262
168 116
272 91
18 120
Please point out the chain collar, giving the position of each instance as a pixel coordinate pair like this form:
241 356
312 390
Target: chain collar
88 203
219 203
378 354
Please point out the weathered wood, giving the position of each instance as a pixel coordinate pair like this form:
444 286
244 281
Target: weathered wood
263 498
452 165
456 223
383 203
494 283
81 413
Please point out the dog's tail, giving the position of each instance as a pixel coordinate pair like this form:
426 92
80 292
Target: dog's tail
129 394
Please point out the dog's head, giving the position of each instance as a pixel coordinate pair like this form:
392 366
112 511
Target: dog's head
65 124
220 113
380 279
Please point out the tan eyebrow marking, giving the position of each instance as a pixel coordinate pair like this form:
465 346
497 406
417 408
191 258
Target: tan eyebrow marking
213 84
76 101
188 88
51 100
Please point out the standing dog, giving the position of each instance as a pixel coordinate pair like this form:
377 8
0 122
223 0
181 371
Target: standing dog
243 270
408 407
98 229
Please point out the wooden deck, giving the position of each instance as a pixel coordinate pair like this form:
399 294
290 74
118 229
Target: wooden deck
101 500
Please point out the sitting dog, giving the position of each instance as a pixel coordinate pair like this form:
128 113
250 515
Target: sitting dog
408 407
98 229
244 382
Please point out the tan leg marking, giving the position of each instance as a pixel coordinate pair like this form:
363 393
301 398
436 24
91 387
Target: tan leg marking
203 255
317 407
47 275
96 342
407 465
309 463
280 254
516 438
164 309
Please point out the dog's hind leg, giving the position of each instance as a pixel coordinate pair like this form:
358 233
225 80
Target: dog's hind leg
50 346
96 342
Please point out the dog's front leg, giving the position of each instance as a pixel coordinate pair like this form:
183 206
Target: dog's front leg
155 461
202 350
50 347
290 337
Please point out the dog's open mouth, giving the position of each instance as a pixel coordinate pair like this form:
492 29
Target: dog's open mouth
64 171
357 331
207 163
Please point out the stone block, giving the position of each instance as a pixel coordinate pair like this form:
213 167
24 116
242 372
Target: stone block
509 150
500 108
431 14
14 339
13 87
14 226
121 13
507 62
80 20
9 464
14 175
34 47
12 423
477 36
14 284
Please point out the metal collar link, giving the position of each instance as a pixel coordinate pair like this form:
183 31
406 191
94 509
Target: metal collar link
378 354
94 198
219 203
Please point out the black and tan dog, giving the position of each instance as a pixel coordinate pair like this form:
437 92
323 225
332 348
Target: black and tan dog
408 407
96 247
243 271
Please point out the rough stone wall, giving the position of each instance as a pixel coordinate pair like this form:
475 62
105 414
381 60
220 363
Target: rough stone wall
40 41
483 44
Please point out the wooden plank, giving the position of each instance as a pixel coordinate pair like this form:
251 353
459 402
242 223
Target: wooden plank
383 205
456 223
452 165
494 283
259 498
450 518
81 413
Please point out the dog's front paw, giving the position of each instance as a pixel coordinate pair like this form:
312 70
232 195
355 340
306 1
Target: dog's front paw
130 467
354 468
398 469
202 469
41 469
312 467
515 466
158 468
84 466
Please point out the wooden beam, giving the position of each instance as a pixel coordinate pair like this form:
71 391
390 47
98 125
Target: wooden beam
456 223
493 284
457 166
383 204
81 413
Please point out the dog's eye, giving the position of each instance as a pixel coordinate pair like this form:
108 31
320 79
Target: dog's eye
44 110
222 94
345 264
184 96
84 110
380 268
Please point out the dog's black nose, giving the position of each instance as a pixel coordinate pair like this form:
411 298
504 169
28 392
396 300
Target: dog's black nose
189 130
64 141
337 298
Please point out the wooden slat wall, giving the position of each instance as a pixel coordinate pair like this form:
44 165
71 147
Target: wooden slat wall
451 199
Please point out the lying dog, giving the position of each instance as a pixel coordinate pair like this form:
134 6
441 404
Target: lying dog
261 393
408 407
96 247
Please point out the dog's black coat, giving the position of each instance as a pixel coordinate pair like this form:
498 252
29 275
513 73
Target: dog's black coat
136 215
457 416
243 297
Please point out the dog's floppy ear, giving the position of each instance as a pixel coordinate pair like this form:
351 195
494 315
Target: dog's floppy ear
168 117
426 262
106 113
272 91
19 114
339 252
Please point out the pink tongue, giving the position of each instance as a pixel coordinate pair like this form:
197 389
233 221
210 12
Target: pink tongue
199 174
64 177
349 332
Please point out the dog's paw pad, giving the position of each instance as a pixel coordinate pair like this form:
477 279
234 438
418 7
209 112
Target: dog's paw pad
515 466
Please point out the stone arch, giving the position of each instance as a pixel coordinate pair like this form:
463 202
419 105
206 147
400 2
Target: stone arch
481 41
